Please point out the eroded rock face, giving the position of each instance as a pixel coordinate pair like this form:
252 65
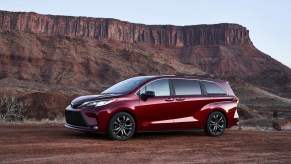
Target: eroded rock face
112 29
58 43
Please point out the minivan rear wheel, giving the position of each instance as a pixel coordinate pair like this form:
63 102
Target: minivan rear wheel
121 126
215 124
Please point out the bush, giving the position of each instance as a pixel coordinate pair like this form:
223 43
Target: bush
11 109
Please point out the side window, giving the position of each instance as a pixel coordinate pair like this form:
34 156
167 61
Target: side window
212 88
160 87
186 87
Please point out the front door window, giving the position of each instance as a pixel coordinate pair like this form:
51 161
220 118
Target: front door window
160 87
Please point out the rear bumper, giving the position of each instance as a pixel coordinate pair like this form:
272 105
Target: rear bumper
236 121
233 120
80 128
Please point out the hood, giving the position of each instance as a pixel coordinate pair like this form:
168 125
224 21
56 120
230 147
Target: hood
80 100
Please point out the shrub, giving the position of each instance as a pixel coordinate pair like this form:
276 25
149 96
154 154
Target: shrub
11 109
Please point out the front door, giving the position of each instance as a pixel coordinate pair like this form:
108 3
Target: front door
156 113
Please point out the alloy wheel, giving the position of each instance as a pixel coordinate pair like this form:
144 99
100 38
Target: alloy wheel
122 126
216 124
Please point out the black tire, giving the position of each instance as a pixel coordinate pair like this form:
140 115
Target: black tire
215 124
121 126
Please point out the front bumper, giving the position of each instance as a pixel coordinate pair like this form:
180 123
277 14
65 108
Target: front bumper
81 119
81 128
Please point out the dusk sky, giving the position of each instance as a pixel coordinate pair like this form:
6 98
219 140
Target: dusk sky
269 22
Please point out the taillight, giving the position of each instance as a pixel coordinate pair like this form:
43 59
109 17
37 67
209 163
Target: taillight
235 99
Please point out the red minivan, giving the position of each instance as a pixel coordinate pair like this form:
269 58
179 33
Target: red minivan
156 103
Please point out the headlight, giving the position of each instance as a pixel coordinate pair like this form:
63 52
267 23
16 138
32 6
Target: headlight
97 103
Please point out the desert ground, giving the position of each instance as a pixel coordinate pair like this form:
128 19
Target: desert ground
52 143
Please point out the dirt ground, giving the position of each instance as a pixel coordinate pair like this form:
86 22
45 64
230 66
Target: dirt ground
38 143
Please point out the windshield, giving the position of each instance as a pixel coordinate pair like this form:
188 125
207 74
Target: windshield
126 86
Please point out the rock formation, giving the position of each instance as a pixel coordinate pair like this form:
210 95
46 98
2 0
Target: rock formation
112 29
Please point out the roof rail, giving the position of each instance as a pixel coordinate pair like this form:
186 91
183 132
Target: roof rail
195 75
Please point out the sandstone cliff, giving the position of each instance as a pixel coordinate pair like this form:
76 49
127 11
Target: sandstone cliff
112 29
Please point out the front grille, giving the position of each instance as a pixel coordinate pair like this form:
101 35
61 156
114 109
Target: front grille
74 118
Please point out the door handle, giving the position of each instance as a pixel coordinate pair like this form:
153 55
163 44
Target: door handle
169 99
180 99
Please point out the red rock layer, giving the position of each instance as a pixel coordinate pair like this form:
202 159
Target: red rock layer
112 29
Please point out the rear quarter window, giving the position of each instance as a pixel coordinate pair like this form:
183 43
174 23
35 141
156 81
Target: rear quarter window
213 88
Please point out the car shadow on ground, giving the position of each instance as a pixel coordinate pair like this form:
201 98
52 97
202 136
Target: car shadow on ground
86 135
138 136
168 134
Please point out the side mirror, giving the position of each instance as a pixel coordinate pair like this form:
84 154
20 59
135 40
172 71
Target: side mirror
147 94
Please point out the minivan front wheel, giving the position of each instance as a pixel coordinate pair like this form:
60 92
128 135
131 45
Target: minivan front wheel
121 126
215 124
